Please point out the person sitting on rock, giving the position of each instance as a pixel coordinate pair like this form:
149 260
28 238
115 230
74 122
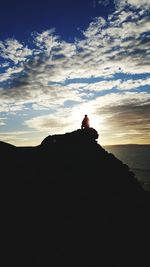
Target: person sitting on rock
85 123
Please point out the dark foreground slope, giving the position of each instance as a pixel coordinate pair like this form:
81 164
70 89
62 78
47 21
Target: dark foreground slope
69 202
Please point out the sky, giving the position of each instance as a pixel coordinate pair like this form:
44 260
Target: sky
62 59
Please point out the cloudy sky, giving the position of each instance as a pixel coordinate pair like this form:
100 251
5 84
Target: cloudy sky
60 60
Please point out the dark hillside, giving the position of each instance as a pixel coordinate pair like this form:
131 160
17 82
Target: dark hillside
69 202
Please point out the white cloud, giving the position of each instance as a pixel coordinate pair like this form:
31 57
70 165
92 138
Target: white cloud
2 121
37 95
103 85
110 84
54 123
109 46
12 50
9 72
46 41
131 84
4 65
119 44
135 3
95 27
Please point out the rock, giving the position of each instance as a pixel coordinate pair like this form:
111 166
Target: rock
78 136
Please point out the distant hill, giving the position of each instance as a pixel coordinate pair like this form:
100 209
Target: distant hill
69 202
5 146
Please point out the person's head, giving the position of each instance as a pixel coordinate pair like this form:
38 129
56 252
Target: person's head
85 115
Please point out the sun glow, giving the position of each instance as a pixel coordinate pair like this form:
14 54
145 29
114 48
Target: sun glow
78 115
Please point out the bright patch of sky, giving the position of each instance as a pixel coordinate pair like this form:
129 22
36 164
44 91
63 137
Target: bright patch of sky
73 59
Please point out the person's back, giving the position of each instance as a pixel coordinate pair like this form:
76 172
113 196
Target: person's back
85 122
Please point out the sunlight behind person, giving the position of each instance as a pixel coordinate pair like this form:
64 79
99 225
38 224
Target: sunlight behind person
95 121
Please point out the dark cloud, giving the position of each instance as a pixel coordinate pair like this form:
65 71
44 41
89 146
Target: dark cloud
128 118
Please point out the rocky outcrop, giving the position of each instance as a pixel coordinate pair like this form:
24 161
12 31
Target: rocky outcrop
78 136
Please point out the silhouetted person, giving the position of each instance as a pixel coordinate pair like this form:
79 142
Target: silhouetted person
85 122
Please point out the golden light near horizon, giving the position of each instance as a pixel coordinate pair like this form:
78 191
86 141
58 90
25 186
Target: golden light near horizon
78 114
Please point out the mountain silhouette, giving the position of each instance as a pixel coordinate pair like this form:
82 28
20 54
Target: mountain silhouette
69 202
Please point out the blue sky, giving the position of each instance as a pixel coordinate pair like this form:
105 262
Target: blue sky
60 60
